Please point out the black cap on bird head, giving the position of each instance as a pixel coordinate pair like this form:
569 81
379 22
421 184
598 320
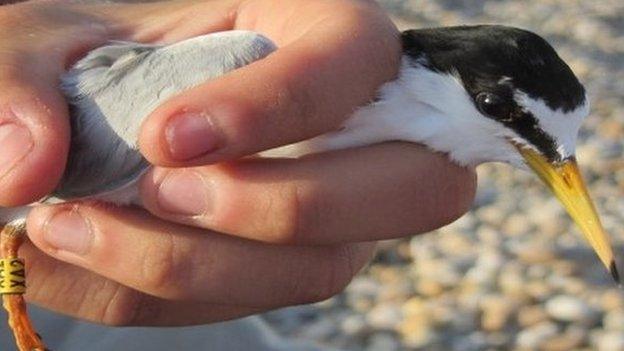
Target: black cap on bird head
495 63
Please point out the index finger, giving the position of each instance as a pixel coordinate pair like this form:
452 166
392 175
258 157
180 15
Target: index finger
307 87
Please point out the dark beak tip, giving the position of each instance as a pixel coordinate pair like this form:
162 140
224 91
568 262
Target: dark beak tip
614 272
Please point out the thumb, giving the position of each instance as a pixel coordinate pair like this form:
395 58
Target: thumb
37 42
34 136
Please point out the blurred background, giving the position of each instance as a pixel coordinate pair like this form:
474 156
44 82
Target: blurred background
513 273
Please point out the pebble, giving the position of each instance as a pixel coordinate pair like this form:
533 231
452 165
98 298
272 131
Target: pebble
533 337
486 268
384 316
454 244
496 311
535 253
416 328
383 342
511 280
563 268
398 291
429 287
491 215
612 299
537 271
570 285
609 341
442 315
417 335
489 235
570 309
363 286
531 315
516 224
538 289
572 338
499 340
464 321
614 320
475 341
354 324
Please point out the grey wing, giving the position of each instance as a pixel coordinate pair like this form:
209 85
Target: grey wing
114 88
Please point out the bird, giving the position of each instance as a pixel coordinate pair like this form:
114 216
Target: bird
480 93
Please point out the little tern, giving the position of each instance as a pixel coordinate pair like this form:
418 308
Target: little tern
476 93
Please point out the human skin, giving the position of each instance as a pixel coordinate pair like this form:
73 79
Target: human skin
222 237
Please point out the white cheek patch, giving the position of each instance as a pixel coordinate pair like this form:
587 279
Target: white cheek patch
562 126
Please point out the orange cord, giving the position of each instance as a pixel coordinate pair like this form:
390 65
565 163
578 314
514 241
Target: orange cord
26 338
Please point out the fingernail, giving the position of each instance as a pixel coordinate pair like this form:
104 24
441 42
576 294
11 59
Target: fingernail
190 135
183 193
69 231
15 143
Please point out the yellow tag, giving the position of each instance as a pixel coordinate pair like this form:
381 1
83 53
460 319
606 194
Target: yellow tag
12 276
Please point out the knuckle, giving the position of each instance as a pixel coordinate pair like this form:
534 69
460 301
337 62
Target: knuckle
163 268
331 279
298 215
342 271
457 194
295 98
281 216
140 310
245 128
309 214
121 309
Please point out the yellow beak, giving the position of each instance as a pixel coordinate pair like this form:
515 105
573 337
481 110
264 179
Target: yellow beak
566 182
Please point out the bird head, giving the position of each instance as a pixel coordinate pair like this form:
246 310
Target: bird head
512 99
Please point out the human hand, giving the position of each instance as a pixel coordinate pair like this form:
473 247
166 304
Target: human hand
132 268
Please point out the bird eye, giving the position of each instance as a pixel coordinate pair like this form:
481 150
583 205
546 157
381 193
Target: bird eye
494 106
